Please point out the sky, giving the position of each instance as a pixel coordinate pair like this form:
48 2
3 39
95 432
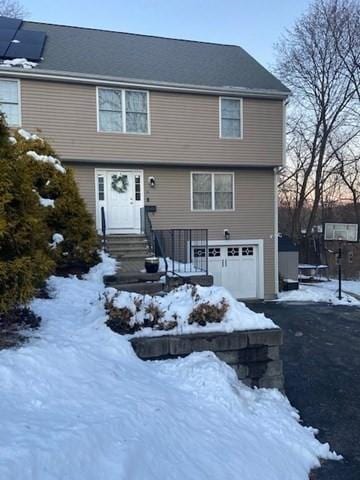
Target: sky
254 24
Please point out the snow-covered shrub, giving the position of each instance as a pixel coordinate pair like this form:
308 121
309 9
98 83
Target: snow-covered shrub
31 180
69 216
186 309
207 313
120 319
24 253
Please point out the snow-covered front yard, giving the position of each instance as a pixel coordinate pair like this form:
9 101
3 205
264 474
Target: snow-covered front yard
326 292
77 404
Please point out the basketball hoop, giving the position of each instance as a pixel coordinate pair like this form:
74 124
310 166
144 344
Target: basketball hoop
341 232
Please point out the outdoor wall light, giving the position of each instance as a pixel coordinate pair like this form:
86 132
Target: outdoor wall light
226 234
151 181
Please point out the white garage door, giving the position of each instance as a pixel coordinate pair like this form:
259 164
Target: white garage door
235 267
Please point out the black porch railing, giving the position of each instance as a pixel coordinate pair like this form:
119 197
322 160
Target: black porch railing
184 250
152 238
103 227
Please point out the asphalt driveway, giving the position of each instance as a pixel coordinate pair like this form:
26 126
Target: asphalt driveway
321 355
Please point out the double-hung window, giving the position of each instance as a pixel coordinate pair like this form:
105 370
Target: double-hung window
123 111
212 191
10 102
230 117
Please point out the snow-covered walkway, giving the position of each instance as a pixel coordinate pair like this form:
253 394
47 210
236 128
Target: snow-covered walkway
77 404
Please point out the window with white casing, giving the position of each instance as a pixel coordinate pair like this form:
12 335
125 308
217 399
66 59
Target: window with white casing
10 101
230 117
212 191
123 111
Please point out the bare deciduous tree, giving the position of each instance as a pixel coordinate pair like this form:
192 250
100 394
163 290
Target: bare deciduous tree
323 109
12 8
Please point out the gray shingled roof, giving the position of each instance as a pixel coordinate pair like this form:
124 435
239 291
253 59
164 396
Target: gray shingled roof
156 59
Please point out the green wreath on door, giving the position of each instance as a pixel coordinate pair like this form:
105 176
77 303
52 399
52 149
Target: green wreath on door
119 183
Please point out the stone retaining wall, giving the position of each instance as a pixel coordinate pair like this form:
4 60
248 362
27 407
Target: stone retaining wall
254 354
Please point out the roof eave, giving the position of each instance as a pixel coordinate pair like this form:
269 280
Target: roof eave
74 77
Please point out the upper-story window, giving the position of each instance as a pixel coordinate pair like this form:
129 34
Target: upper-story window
230 117
10 101
212 191
123 111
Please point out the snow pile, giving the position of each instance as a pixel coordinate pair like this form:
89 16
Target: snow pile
12 140
175 309
56 239
322 292
348 286
76 403
47 159
18 62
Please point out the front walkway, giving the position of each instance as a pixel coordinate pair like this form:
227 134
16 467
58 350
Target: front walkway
321 355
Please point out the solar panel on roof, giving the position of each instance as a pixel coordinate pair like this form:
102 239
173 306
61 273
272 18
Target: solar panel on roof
31 36
7 34
4 45
27 44
10 23
8 29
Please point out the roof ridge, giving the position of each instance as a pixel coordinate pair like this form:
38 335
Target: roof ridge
134 34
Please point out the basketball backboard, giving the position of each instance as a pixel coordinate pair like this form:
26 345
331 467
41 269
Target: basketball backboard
346 232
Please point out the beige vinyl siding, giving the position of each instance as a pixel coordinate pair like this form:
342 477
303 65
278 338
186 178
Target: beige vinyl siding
184 128
253 217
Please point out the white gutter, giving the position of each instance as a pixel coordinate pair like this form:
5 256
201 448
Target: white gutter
51 75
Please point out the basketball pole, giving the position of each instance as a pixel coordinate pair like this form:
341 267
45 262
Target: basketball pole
339 270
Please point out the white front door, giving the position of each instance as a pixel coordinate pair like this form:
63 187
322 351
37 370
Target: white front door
235 267
119 192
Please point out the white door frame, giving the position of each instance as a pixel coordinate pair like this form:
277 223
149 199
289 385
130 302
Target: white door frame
259 243
100 203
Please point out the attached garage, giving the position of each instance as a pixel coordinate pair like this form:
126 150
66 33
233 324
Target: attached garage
238 266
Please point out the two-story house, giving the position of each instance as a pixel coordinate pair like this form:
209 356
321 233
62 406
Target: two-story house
193 128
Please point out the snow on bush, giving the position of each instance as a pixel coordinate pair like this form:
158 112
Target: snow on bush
57 238
47 159
186 309
46 202
77 404
27 135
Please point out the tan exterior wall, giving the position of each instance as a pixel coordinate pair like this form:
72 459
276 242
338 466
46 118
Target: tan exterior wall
184 128
253 217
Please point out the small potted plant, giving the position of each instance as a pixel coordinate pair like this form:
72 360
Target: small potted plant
152 264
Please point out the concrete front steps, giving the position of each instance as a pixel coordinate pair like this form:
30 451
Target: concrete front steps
144 283
131 251
128 246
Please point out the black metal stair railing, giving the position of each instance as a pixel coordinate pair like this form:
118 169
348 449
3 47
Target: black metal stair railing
103 227
185 250
152 237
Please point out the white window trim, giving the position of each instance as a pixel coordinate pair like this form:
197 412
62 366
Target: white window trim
17 125
241 119
123 111
212 173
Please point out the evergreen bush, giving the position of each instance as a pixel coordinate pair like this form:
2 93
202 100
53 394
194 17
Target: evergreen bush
30 179
69 217
24 252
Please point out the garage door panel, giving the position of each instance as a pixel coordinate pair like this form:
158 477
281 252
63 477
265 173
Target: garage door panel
235 267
